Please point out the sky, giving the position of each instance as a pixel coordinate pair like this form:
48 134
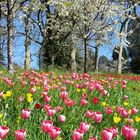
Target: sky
19 50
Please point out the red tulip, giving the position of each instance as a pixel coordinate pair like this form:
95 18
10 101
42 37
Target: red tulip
55 132
37 105
83 102
89 114
20 134
97 116
134 111
129 133
77 134
95 100
109 110
84 126
46 126
62 118
107 134
26 113
51 112
3 132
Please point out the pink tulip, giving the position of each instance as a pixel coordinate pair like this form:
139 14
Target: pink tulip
46 107
26 113
59 108
124 113
55 132
97 116
23 83
89 114
46 126
114 131
125 97
83 102
129 133
64 94
33 90
62 118
20 134
107 134
77 134
92 138
119 109
84 126
109 110
47 98
134 111
51 112
3 132
1 94
69 102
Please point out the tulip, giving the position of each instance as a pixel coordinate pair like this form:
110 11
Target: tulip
26 113
1 94
109 110
69 102
83 102
46 126
64 94
55 132
89 114
134 111
107 134
125 97
20 134
84 126
47 98
59 108
37 105
114 131
92 138
97 116
124 113
33 90
129 133
77 134
46 107
119 109
62 118
95 100
3 132
51 112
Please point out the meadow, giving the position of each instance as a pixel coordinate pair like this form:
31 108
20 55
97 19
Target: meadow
69 106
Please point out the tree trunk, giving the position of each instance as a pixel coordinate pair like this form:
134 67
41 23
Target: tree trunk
27 44
52 60
85 55
96 59
73 60
10 36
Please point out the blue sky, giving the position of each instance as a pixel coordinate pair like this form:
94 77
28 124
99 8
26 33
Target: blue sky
19 50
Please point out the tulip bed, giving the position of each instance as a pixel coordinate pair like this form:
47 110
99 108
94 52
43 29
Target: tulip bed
69 106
